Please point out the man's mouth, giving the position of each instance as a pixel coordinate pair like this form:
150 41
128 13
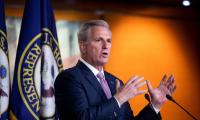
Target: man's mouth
105 54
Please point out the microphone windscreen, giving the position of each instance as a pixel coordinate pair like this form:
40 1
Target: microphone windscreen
170 98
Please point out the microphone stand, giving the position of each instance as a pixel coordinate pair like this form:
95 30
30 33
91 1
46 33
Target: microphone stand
170 98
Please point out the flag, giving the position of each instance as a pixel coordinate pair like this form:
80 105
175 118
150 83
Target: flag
38 62
4 67
51 60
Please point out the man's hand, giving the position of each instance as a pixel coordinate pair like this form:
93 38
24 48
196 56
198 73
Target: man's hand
158 95
130 89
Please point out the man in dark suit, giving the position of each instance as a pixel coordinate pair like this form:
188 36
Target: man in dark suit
87 92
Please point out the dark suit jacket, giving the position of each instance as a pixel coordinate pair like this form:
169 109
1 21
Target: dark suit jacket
79 95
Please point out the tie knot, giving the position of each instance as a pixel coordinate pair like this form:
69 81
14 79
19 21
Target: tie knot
100 75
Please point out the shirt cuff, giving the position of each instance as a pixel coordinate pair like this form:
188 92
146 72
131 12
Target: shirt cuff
117 102
155 109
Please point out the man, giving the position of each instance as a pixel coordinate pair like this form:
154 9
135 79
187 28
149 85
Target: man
87 92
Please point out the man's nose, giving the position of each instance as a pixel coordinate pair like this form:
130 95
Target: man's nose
105 45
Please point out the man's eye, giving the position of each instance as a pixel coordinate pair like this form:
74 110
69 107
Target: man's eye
98 40
109 41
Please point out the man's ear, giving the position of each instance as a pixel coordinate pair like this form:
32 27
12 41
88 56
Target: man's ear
82 47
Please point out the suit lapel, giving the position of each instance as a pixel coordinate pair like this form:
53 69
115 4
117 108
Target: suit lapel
91 78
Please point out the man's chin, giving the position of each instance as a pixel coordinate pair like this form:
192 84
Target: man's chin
103 62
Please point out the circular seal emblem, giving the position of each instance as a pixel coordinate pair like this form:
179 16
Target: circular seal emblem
28 74
3 72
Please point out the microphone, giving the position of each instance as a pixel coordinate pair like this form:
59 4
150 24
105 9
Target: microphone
170 98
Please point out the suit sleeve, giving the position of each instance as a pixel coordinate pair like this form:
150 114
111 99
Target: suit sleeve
148 114
72 102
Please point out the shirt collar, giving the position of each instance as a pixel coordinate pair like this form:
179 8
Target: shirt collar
92 68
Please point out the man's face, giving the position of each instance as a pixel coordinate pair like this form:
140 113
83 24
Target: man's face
96 50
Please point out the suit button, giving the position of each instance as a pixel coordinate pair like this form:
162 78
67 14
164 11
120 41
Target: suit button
115 114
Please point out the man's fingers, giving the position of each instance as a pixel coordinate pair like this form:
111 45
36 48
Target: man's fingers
140 84
169 81
131 80
118 86
141 92
163 80
137 80
173 80
171 85
149 86
173 89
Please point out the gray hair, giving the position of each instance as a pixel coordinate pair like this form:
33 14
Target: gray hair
83 32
